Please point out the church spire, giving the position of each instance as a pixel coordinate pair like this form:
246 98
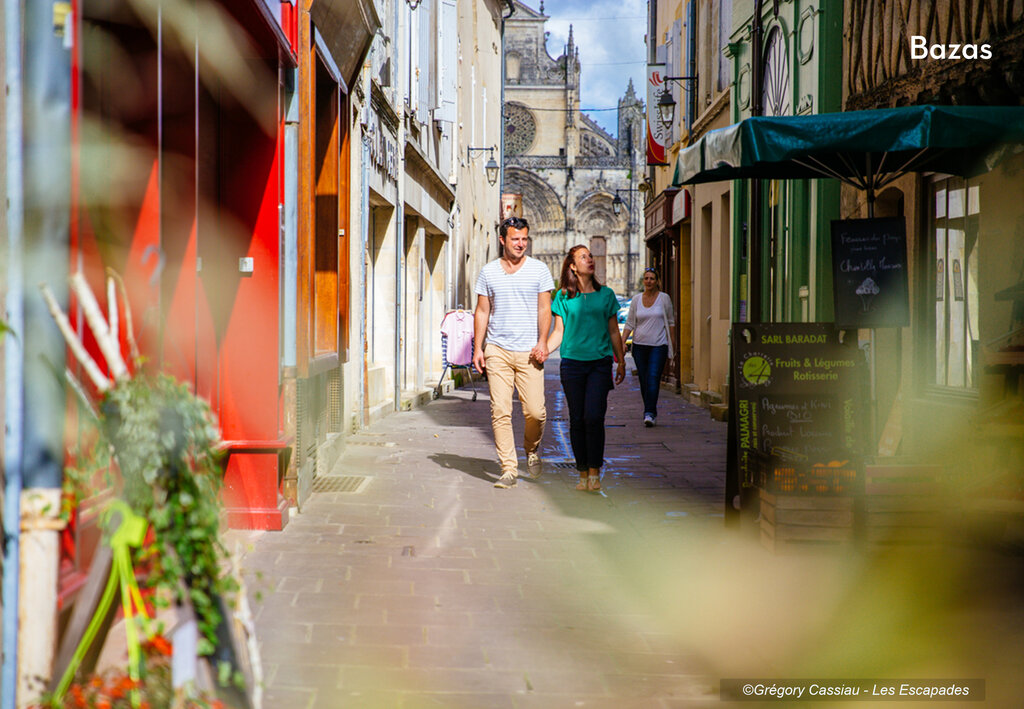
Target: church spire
542 7
570 45
630 91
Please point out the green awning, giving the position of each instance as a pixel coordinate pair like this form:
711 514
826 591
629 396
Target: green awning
866 149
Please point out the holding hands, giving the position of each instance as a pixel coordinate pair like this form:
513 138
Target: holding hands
620 371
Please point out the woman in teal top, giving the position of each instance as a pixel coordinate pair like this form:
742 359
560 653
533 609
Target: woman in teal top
588 332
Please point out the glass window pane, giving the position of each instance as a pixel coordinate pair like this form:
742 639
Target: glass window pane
957 310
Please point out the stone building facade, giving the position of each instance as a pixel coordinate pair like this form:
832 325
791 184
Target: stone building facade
567 168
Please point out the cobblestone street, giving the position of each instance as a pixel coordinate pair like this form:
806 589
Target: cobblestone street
427 586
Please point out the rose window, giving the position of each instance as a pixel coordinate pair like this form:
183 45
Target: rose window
520 129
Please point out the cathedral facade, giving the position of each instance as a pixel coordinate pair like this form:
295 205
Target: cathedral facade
578 183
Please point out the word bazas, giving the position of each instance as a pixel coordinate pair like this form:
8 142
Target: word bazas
920 49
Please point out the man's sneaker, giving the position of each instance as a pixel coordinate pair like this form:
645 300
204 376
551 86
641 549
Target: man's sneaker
533 466
507 480
648 420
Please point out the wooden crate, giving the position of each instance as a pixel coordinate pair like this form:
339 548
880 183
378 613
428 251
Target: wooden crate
801 522
902 504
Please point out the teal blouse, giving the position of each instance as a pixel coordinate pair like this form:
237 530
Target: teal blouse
585 318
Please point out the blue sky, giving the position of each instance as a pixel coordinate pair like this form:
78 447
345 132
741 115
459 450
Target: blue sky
610 35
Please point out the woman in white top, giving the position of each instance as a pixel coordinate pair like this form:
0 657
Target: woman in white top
650 320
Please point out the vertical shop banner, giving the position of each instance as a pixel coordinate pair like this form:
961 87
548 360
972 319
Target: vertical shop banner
799 415
869 273
657 134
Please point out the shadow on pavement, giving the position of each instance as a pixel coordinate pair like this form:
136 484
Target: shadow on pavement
482 468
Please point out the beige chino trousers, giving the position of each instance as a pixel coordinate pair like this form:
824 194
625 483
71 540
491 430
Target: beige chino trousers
505 371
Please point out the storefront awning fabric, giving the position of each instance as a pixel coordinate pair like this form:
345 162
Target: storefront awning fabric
866 149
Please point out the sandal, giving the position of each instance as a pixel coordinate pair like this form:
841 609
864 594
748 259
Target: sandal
582 484
594 483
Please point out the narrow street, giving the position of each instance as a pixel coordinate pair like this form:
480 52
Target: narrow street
429 587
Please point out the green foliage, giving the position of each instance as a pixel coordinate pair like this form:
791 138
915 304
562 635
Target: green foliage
164 440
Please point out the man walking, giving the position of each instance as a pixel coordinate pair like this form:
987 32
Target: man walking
513 313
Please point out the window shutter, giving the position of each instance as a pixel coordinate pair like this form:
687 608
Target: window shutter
448 61
426 31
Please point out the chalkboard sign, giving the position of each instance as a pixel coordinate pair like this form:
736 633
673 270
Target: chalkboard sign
869 273
797 391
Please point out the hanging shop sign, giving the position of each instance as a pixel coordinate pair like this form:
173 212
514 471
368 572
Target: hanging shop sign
797 407
869 273
511 205
657 133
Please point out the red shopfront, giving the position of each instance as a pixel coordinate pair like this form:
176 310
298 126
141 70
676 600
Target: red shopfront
177 178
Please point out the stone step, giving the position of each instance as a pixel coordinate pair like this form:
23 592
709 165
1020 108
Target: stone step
708 398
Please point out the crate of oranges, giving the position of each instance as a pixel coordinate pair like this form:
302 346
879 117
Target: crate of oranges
793 474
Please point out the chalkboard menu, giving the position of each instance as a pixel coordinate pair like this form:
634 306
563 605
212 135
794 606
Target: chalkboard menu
797 396
869 273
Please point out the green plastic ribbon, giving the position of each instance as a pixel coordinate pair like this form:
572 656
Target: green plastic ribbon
129 534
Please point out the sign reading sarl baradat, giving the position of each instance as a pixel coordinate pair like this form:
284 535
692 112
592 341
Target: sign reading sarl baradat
798 392
869 273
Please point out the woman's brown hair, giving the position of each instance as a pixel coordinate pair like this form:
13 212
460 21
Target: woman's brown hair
569 282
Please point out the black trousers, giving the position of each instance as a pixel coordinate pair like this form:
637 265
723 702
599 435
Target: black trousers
586 384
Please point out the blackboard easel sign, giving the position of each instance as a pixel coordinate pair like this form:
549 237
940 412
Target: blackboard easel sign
797 391
869 273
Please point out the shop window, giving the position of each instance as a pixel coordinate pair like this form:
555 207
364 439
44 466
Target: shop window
954 210
325 253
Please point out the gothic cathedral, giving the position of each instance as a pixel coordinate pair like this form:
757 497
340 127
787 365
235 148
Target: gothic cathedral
578 183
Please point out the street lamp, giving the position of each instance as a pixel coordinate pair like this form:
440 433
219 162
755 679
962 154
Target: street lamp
618 202
491 168
667 104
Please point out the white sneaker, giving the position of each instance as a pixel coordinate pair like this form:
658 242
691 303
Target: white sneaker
506 481
533 466
648 420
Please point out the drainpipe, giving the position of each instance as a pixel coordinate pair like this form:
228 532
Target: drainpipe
501 123
38 131
290 276
13 379
403 94
756 217
364 219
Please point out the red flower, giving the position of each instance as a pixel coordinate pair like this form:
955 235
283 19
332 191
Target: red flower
159 644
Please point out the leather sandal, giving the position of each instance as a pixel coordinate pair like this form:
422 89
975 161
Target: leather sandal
594 483
582 484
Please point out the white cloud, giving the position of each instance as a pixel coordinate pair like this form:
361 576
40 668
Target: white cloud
610 37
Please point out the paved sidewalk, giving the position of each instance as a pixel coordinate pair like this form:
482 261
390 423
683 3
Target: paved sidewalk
431 588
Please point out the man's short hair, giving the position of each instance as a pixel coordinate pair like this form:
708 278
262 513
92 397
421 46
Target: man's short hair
513 223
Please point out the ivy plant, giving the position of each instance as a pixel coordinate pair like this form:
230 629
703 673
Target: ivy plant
159 442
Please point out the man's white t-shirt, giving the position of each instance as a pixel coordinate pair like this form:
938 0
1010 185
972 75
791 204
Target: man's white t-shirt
513 322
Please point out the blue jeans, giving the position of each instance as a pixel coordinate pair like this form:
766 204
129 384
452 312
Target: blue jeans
650 363
586 385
